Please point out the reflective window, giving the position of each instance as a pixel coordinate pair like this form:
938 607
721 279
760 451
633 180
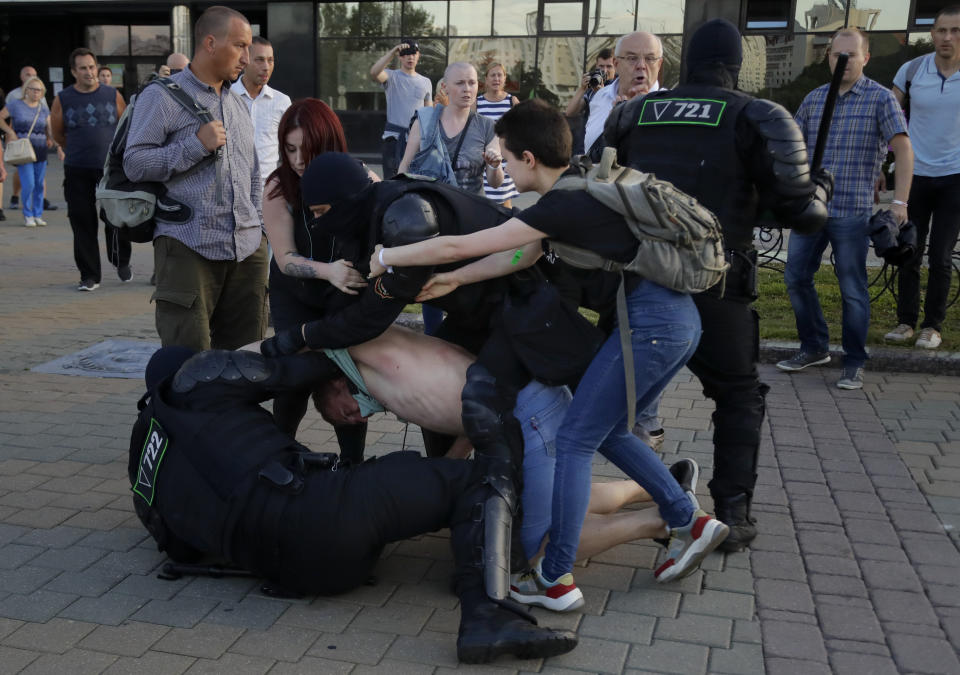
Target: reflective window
563 16
108 40
515 17
888 51
879 15
670 67
821 15
611 16
659 16
150 40
517 55
560 62
594 45
117 70
926 10
337 18
470 17
768 14
424 18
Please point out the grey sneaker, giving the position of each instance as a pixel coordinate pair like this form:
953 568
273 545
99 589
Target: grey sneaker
88 285
901 333
929 338
852 378
802 360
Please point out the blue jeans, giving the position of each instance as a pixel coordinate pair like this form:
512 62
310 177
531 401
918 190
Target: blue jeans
664 332
540 410
31 188
850 242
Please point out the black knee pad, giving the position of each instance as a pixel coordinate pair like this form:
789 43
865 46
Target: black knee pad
223 365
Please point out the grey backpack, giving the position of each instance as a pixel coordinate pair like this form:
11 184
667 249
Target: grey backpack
680 242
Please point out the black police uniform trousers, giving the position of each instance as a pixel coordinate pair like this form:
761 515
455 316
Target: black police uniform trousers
327 538
726 365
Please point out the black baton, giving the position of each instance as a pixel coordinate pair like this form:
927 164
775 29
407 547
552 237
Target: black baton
824 131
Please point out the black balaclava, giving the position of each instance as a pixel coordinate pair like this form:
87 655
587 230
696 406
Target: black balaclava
337 179
165 362
715 43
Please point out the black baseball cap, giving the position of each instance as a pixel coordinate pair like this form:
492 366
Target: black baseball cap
412 47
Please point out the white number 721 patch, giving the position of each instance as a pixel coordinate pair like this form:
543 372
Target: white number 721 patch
703 112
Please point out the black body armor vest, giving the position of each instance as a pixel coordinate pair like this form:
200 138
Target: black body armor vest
688 136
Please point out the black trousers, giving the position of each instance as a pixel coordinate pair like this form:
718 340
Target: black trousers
79 189
726 365
327 538
935 210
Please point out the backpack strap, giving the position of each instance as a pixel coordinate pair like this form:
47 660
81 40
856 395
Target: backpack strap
911 73
203 114
626 347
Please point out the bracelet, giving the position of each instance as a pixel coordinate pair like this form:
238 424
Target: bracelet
384 265
898 203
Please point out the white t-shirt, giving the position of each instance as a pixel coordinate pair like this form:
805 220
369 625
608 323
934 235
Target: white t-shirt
600 106
265 111
405 93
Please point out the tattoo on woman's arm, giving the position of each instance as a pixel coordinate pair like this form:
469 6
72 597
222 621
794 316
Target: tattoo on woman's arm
299 269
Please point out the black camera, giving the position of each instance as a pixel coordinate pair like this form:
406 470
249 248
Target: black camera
411 48
597 79
893 242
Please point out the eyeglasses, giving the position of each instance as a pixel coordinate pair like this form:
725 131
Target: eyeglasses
632 59
35 89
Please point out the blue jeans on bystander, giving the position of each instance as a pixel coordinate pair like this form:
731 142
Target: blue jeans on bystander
850 242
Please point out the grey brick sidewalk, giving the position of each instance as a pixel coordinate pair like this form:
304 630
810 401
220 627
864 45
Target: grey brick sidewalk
854 570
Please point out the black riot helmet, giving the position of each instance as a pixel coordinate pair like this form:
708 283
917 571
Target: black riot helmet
409 219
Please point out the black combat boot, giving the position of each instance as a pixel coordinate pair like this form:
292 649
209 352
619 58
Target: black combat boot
734 511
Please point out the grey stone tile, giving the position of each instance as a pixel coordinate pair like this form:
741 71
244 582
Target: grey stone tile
252 612
793 641
25 578
775 565
874 648
849 623
747 631
708 630
779 594
721 604
834 584
852 663
737 580
393 667
89 582
393 618
618 626
366 647
324 614
39 606
130 639
151 662
207 641
231 589
914 653
234 664
664 656
434 649
73 558
740 658
109 609
150 586
650 603
61 536
182 612
889 575
75 661
56 635
903 606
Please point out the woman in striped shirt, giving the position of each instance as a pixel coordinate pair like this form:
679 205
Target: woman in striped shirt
493 103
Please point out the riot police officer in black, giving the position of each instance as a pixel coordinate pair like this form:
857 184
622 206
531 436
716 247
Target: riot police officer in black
738 156
212 474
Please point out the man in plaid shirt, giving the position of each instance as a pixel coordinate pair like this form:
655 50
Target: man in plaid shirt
866 120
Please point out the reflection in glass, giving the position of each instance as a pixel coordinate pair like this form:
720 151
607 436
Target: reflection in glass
108 40
424 18
117 70
888 51
560 63
594 45
149 40
470 17
787 69
660 16
767 14
515 17
563 16
670 66
336 19
879 14
820 15
516 54
145 72
611 16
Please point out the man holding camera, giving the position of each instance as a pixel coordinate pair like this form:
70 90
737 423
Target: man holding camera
600 76
866 119
637 59
406 90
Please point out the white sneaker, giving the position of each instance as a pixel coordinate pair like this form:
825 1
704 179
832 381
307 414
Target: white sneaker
29 221
40 222
901 333
929 338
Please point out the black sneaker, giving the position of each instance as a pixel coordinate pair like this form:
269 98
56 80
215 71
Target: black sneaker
687 473
47 206
88 285
802 360
14 202
125 273
2 217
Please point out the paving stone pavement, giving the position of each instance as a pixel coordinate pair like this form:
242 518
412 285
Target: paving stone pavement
856 568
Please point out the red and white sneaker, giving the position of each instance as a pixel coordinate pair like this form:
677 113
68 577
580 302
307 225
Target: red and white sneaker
532 588
690 545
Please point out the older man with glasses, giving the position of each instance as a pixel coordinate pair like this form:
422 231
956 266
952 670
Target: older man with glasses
637 59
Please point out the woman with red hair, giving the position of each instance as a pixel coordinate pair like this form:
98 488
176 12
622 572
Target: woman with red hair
306 277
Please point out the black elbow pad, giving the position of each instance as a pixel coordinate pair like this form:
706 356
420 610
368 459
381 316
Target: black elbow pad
784 166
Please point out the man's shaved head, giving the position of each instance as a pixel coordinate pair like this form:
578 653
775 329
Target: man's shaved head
215 21
177 61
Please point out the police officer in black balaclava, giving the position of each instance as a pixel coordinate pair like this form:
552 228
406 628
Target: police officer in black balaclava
212 474
738 156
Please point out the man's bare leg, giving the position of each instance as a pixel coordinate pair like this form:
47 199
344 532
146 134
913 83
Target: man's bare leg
614 495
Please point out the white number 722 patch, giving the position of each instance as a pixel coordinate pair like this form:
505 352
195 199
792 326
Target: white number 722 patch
697 111
150 457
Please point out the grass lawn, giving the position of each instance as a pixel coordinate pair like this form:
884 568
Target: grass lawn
776 314
777 321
